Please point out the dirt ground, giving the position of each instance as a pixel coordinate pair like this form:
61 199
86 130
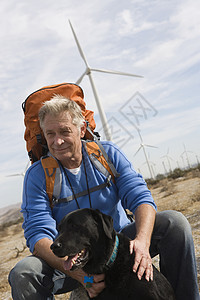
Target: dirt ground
182 194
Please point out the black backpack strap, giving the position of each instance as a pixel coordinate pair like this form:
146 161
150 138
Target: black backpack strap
83 193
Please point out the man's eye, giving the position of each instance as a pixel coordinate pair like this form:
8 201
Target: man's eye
49 133
66 132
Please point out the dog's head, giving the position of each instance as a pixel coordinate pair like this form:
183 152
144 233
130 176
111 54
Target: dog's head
83 236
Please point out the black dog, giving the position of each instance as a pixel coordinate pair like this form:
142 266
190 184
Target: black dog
87 237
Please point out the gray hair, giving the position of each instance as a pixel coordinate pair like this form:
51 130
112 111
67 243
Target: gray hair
59 104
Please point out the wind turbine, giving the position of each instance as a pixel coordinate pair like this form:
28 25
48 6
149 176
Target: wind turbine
142 146
165 170
168 158
183 162
22 173
88 71
178 164
152 166
186 155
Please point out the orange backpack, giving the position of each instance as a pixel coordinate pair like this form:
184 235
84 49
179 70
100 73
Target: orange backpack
35 141
36 144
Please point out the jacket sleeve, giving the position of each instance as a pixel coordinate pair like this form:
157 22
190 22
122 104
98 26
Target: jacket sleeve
132 188
38 220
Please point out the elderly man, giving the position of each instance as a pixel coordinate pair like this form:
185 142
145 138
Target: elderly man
168 233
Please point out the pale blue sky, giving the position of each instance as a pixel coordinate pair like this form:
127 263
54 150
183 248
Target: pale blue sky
157 39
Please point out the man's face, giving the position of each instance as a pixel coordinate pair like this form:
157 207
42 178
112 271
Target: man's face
64 139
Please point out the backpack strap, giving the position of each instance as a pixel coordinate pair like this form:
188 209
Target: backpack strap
97 157
83 193
53 177
104 158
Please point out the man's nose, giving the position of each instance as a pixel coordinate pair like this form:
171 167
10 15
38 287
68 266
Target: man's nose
58 140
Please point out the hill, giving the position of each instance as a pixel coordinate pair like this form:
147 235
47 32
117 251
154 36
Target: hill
10 214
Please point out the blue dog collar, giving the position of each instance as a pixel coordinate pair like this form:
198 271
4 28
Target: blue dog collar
114 253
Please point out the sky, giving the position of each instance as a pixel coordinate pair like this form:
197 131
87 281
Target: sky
159 40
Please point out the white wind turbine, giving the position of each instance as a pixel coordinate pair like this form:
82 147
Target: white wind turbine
143 146
168 158
88 72
152 166
165 170
186 152
22 173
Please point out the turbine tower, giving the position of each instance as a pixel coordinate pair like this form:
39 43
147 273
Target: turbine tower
168 158
143 146
186 155
152 166
88 72
164 167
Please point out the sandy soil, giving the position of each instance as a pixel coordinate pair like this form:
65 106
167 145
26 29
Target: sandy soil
182 194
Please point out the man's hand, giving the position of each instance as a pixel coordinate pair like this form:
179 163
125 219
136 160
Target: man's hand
96 287
143 262
144 222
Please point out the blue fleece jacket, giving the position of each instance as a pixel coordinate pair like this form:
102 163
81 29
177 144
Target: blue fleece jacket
128 192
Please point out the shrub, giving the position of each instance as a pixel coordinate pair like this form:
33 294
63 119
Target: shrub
176 173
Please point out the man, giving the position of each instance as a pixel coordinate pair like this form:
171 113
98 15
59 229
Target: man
42 275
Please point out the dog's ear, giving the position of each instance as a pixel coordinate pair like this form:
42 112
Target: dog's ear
107 223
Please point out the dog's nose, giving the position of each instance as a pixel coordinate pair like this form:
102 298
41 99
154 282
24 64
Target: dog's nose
55 246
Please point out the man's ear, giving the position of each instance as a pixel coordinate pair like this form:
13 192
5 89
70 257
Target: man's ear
107 223
83 130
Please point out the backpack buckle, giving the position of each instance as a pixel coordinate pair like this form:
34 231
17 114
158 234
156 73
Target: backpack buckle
55 200
109 178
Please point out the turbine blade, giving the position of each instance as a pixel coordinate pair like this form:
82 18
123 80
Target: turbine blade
81 78
13 175
137 150
116 72
170 158
78 45
150 146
